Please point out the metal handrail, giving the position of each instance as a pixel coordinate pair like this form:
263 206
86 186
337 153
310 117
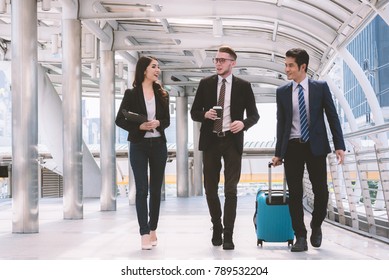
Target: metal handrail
370 130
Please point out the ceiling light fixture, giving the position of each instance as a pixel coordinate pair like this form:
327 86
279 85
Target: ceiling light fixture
217 27
46 5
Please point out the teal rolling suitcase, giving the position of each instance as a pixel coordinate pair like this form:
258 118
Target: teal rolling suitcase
272 220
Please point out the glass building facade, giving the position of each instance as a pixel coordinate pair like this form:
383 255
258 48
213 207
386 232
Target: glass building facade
371 50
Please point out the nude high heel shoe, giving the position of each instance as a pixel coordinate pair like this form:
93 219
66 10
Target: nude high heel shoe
145 242
153 238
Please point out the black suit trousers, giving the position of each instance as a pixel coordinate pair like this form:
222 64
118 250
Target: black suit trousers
297 156
225 149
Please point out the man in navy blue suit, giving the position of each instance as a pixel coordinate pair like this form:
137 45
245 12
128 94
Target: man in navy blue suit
302 140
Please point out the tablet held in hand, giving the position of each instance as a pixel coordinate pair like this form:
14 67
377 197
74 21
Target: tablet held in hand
134 117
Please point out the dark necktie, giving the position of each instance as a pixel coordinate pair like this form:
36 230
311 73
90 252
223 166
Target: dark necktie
218 124
303 115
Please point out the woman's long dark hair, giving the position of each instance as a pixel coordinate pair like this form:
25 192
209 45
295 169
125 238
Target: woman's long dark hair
140 69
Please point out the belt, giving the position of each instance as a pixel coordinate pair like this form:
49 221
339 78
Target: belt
223 133
153 139
298 140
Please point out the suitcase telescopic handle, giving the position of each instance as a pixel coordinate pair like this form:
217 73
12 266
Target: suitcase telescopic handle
270 164
269 177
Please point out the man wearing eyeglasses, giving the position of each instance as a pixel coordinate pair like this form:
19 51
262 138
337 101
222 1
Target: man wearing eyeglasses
222 138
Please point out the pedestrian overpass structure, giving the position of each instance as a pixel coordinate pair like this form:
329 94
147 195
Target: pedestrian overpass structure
56 53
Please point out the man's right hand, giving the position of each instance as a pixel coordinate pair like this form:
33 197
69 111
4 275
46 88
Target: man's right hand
276 161
210 114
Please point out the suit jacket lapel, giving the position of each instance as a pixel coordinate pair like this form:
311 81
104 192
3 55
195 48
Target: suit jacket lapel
289 93
142 101
233 91
311 89
214 85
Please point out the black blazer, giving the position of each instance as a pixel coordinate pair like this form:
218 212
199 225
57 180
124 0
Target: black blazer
242 99
320 103
134 101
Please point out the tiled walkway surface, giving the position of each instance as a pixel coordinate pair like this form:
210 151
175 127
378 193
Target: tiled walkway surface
184 234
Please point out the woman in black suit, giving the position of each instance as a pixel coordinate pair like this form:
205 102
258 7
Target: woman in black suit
147 143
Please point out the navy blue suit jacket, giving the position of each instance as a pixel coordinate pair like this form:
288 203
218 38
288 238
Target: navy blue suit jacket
320 104
242 99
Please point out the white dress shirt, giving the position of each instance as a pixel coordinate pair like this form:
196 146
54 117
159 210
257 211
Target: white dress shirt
227 101
296 130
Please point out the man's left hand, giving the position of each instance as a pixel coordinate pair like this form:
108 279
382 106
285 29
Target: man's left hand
340 156
236 126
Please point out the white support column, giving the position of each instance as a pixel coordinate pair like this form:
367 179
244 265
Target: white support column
197 162
25 190
72 114
182 146
131 180
107 128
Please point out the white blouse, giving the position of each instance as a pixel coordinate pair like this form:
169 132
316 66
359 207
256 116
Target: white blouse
150 107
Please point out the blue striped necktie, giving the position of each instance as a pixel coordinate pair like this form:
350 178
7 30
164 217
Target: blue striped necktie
303 115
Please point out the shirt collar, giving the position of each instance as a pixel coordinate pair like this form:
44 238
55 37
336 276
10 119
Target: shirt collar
304 84
228 79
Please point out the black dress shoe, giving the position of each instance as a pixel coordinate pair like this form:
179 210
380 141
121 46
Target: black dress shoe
316 236
217 239
228 244
300 245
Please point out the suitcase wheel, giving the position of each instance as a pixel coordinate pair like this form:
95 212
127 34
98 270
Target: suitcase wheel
259 242
290 242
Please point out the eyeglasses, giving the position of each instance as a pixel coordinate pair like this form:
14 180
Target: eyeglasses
220 60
